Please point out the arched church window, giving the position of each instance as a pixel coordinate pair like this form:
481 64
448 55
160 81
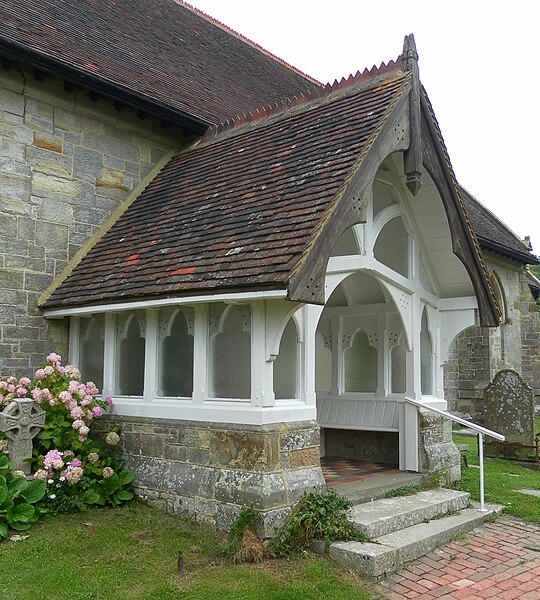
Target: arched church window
130 353
426 357
175 352
286 364
323 364
91 348
360 365
392 246
230 351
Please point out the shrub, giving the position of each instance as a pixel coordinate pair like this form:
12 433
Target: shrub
17 499
316 516
75 470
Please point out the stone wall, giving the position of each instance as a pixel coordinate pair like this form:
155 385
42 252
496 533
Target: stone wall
379 446
210 471
438 454
66 162
478 353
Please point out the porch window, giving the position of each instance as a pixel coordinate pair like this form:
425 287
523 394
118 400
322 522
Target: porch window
398 367
230 351
360 365
175 352
286 364
91 348
426 358
130 353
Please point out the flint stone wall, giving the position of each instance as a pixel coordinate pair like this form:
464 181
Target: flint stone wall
209 471
66 163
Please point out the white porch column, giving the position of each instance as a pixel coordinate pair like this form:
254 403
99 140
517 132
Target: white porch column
200 350
262 383
109 354
310 318
150 353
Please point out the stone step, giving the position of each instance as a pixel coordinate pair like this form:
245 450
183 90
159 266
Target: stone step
390 552
384 516
367 490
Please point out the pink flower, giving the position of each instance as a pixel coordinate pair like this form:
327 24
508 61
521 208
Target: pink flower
54 358
48 370
72 371
11 388
41 474
108 400
12 380
21 392
97 411
75 462
53 459
107 472
65 396
91 388
93 457
39 374
24 382
73 475
84 430
77 424
77 413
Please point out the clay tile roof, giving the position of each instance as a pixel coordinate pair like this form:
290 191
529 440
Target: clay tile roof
160 56
493 234
235 212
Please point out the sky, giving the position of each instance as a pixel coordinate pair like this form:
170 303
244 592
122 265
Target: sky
478 61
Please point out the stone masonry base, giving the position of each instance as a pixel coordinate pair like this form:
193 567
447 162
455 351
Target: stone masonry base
210 471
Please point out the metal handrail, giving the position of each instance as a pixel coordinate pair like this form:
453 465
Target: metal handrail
481 431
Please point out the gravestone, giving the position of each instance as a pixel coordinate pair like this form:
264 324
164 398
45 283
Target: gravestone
21 421
509 409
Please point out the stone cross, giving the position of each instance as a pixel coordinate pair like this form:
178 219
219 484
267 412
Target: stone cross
21 421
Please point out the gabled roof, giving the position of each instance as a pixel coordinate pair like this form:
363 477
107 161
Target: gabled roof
259 201
236 211
493 234
160 56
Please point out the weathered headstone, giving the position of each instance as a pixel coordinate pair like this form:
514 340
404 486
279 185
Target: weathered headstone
509 409
21 421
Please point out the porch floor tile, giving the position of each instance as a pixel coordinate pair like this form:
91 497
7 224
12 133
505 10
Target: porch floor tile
344 470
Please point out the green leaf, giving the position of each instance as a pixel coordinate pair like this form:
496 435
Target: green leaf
22 513
126 477
124 495
111 484
34 491
4 530
18 526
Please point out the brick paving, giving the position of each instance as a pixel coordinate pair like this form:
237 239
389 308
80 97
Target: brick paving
499 560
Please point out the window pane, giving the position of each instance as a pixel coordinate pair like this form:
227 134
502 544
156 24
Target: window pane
130 353
230 348
176 352
91 348
360 365
286 364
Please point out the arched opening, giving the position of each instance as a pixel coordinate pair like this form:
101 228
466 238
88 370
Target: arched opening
392 246
286 364
175 352
230 351
360 365
130 353
91 348
426 357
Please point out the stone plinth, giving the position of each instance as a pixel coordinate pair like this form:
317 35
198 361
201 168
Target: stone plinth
209 471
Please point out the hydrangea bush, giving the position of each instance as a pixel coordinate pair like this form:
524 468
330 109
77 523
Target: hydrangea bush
78 471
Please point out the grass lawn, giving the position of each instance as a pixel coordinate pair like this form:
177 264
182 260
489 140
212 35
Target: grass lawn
132 552
503 479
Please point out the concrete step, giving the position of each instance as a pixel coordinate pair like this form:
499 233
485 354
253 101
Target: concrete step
384 516
389 552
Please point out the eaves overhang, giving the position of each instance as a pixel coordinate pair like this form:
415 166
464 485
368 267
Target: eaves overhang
522 257
21 54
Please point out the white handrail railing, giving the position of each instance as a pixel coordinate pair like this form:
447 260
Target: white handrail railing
481 431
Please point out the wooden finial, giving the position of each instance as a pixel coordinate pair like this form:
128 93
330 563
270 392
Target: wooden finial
409 56
413 155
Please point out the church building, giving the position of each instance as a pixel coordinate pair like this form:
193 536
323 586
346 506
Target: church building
260 270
